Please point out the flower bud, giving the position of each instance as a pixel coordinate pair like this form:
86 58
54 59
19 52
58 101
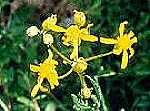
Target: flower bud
32 31
48 39
80 66
86 92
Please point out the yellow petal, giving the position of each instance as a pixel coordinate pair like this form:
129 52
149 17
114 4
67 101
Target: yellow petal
54 62
53 19
133 40
124 60
66 40
130 34
87 29
50 20
52 86
43 89
108 40
35 90
74 54
34 68
117 50
79 18
87 37
131 52
53 79
122 27
56 28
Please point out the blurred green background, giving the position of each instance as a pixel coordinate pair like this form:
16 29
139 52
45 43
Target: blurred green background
129 89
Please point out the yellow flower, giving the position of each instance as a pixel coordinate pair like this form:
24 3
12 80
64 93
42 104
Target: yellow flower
32 31
79 66
50 24
122 44
48 39
79 18
73 37
46 70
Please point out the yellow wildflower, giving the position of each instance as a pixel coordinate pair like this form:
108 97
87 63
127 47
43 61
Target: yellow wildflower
32 31
80 66
50 24
46 70
122 44
79 18
73 37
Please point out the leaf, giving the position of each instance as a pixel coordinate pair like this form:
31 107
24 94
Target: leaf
50 107
24 100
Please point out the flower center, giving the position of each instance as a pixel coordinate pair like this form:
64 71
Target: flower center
124 42
45 69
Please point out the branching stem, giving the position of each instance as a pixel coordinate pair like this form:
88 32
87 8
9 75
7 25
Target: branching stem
98 56
61 55
65 75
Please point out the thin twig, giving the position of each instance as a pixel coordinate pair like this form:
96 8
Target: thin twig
61 55
98 56
65 75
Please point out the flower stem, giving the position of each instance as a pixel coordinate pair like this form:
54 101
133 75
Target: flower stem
82 79
65 75
61 55
98 56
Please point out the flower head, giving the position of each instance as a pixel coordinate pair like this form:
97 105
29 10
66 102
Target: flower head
46 70
79 18
73 37
122 44
32 31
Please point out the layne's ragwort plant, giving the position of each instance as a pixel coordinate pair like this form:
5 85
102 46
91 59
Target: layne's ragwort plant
89 98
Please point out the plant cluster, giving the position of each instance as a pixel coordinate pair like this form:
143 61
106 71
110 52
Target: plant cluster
72 37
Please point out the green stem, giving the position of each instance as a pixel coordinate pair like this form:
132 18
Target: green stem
98 56
82 79
65 75
61 55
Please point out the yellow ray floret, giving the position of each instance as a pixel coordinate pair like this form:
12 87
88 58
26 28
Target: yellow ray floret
79 18
122 44
50 24
46 70
38 87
